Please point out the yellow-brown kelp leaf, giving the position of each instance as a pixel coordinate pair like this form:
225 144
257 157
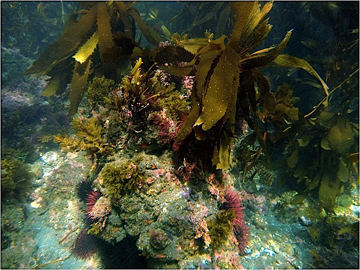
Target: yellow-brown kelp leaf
312 183
325 144
293 159
202 73
222 90
260 33
260 60
343 172
217 44
106 41
223 20
222 156
353 157
298 199
78 84
190 120
87 49
242 12
146 30
194 44
125 18
60 77
247 32
172 54
65 46
285 60
340 136
328 192
53 85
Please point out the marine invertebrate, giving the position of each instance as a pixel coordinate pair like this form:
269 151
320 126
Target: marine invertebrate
86 245
91 200
240 228
100 209
84 188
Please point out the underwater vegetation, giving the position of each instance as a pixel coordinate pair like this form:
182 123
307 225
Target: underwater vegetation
102 37
15 178
322 152
31 36
162 125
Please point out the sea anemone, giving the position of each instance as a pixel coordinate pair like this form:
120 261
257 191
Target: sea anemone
86 245
240 229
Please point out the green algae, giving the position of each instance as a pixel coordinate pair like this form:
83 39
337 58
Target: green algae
98 91
15 177
121 176
221 227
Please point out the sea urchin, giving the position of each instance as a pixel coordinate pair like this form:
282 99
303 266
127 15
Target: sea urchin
86 245
240 229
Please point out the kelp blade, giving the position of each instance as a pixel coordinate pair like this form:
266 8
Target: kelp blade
87 49
65 45
78 85
147 31
285 60
104 32
242 11
222 89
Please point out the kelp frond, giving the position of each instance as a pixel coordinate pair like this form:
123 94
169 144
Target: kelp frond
70 59
218 68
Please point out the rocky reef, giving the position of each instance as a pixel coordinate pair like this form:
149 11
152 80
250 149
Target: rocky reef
180 154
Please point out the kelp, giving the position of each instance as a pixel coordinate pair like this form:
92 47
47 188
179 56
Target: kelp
196 16
74 57
321 158
78 84
219 65
286 60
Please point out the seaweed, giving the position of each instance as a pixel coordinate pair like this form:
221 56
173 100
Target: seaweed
221 228
218 69
121 176
15 178
90 45
87 137
98 90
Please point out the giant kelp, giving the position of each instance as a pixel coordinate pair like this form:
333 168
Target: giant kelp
102 36
227 79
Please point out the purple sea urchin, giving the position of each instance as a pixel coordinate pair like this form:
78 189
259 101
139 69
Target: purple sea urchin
86 245
240 229
91 200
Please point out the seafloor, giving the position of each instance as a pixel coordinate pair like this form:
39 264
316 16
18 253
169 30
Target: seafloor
42 231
